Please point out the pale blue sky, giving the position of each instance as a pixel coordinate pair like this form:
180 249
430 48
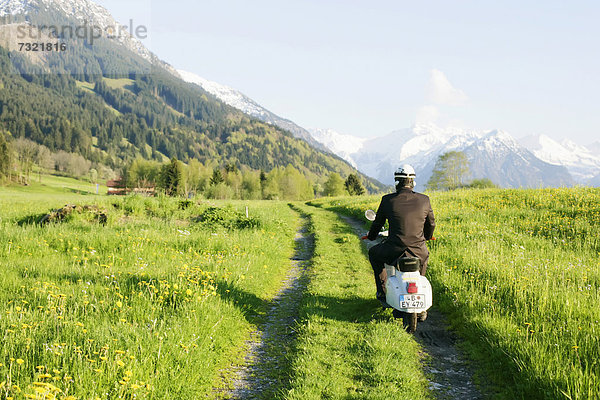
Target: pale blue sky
369 67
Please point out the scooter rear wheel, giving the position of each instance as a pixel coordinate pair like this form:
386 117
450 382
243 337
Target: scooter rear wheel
409 320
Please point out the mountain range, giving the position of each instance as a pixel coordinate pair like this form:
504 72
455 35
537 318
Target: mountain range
534 161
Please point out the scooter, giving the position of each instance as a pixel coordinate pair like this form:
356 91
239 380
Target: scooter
407 292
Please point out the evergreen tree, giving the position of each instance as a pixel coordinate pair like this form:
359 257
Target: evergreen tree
217 177
354 186
172 178
5 156
449 171
230 167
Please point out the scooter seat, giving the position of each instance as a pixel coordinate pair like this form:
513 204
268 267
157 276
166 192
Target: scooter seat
408 264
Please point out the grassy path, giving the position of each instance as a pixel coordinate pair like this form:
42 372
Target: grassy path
448 370
266 367
347 348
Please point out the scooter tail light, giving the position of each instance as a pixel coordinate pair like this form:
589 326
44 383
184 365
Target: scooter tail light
412 288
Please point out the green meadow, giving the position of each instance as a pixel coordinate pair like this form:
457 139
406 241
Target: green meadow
156 298
152 301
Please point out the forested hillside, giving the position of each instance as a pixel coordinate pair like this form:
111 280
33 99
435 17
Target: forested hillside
112 107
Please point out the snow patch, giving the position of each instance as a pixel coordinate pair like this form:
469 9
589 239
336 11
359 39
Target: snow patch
226 94
581 162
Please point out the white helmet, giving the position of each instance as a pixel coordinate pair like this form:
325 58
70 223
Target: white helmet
405 171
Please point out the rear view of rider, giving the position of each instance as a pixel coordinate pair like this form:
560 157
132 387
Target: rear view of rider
411 224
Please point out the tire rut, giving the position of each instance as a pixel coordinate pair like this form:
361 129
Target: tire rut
449 373
262 374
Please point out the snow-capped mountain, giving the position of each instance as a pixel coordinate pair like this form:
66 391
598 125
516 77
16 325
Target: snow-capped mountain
499 157
342 145
594 148
83 12
582 163
492 154
17 7
248 106
595 181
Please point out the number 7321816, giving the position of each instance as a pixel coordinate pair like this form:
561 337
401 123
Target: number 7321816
41 46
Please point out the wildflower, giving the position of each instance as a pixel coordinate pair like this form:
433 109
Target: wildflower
119 304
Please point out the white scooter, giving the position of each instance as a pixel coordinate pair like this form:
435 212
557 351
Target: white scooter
407 292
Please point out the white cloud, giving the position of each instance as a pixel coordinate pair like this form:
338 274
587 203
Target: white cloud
427 115
440 91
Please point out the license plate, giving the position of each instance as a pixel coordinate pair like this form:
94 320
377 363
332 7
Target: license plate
412 301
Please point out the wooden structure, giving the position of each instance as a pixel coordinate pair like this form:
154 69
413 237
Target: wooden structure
118 187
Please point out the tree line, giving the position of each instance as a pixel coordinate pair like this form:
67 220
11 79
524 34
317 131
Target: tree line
235 182
21 159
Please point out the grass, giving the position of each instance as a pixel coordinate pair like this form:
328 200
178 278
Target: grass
518 273
86 86
125 84
122 83
347 347
54 184
153 304
158 301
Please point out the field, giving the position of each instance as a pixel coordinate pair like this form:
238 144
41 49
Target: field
151 303
156 298
57 185
518 273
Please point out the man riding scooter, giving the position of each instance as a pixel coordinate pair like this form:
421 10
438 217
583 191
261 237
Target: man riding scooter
411 224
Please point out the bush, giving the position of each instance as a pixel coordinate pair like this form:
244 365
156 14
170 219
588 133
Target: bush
228 218
484 183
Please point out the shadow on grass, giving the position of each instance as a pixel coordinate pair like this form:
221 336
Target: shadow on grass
504 371
353 309
252 307
34 219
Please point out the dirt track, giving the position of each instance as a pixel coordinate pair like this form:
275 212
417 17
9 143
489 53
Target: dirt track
257 377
